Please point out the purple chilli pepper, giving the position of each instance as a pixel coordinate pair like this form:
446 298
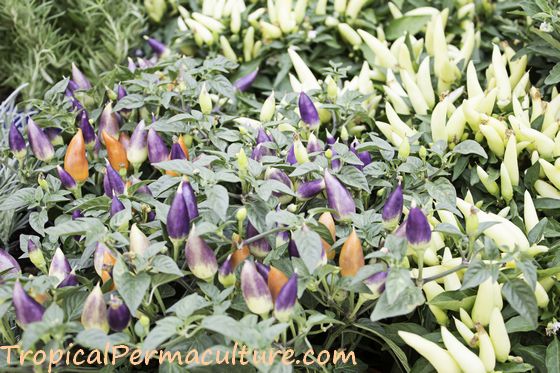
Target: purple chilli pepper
54 135
330 138
118 314
263 269
87 130
364 156
245 82
376 284
307 111
131 65
121 92
338 198
61 269
116 206
200 258
157 46
157 150
262 136
40 143
178 220
226 273
292 249
190 199
116 183
66 179
16 142
177 152
418 230
291 157
79 78
94 314
310 189
286 300
108 121
107 189
137 151
70 88
313 145
255 290
280 176
392 210
9 266
28 310
259 248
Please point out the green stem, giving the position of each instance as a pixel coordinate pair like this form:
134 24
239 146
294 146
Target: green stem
262 235
361 300
420 254
444 273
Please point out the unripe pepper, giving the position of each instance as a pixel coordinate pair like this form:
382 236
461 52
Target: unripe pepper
440 359
27 309
327 220
115 152
351 255
486 352
464 357
75 161
499 336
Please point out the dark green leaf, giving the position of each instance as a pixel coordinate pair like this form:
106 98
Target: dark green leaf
520 296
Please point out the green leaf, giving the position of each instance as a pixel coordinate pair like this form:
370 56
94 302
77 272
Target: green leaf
518 324
21 198
553 356
188 305
97 339
406 24
351 176
410 298
554 75
470 147
164 330
453 300
520 296
164 264
131 101
547 203
398 281
442 191
131 287
37 221
217 200
476 274
309 247
536 233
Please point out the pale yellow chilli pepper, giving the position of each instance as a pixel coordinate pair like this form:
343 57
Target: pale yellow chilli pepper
520 88
519 112
270 31
556 151
257 48
208 22
272 15
490 185
248 43
414 93
235 19
530 217
395 11
306 77
383 55
218 9
537 104
551 172
499 336
385 129
332 88
546 190
542 143
486 350
472 115
429 36
321 8
440 46
201 31
498 125
464 357
205 101
438 121
468 42
505 183
484 303
466 318
502 78
405 62
432 290
392 82
473 85
495 142
349 34
268 109
253 18
286 18
397 124
517 69
353 9
340 6
455 126
510 160
295 83
467 334
486 104
550 123
227 50
400 106
299 10
365 85
441 359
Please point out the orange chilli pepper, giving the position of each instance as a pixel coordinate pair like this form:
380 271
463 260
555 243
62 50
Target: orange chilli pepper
239 255
327 220
75 161
183 146
351 256
115 152
276 280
